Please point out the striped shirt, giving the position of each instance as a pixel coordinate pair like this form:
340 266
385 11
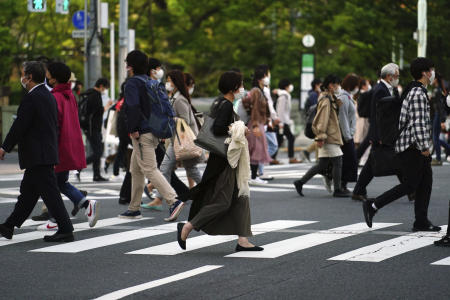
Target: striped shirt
415 119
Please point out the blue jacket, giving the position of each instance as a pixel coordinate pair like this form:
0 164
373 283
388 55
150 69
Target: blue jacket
137 105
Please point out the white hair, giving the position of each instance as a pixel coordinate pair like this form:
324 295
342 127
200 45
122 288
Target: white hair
389 69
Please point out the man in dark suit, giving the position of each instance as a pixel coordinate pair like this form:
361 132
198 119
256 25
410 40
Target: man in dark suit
387 87
35 130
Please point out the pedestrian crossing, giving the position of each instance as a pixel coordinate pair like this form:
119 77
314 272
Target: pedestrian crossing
375 253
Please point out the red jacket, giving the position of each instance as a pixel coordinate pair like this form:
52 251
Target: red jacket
70 142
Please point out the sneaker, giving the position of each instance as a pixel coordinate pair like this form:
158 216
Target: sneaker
327 183
266 177
257 181
174 211
131 215
42 217
299 186
92 212
49 226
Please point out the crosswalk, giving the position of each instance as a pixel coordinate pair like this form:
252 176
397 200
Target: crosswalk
375 253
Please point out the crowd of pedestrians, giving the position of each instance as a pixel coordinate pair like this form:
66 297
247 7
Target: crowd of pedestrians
352 122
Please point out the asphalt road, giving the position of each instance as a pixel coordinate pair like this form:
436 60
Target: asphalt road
316 247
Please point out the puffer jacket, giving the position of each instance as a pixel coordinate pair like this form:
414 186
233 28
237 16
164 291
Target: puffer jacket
326 123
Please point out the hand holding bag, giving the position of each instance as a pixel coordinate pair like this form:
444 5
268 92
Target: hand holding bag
183 144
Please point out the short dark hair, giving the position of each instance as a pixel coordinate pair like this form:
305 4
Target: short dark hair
102 81
264 68
419 65
59 71
189 79
315 82
230 81
350 82
153 63
138 60
330 79
284 83
36 69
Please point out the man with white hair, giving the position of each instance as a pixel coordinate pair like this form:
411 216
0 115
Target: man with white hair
385 88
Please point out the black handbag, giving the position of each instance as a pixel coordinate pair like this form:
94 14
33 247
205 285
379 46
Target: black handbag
384 161
207 140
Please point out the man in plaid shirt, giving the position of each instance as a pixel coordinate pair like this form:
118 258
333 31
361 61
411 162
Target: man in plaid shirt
413 150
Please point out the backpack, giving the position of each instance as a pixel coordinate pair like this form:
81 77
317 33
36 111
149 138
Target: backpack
310 115
161 122
84 116
364 103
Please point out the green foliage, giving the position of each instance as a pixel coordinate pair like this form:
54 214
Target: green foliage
207 37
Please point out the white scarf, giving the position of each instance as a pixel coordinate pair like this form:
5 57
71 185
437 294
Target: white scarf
238 153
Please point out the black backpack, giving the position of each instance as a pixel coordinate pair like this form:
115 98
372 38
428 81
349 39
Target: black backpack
84 116
364 103
310 115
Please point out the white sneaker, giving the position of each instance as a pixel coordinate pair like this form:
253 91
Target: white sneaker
49 226
257 181
327 184
92 212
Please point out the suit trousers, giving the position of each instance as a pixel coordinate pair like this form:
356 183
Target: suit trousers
417 177
40 181
95 141
143 165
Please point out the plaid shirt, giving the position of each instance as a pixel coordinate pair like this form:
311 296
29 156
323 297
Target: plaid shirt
415 119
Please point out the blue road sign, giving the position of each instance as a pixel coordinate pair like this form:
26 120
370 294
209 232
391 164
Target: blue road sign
78 19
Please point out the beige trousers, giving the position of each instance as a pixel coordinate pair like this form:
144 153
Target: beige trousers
143 165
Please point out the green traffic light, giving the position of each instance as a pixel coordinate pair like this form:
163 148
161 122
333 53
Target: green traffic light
38 4
66 5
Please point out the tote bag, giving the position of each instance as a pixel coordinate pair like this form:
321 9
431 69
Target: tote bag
183 144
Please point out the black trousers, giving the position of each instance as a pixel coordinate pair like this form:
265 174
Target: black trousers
417 177
290 138
95 140
40 181
349 163
362 147
121 153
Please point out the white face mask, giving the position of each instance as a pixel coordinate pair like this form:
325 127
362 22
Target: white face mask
266 81
24 85
239 94
72 85
158 74
169 86
355 91
290 88
105 92
369 87
394 82
433 75
448 100
191 90
337 92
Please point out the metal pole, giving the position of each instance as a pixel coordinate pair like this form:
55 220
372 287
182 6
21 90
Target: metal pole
112 66
422 28
86 79
123 40
94 61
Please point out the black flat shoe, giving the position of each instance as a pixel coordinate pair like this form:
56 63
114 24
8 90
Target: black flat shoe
299 187
444 242
42 217
59 237
368 211
124 201
429 227
180 241
254 248
6 232
100 179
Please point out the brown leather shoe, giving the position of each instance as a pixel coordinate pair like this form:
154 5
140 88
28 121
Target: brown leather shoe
295 161
275 162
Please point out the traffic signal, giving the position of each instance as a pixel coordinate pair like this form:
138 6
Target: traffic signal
62 7
37 5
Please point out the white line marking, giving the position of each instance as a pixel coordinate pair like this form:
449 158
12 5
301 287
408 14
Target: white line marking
35 235
155 283
110 239
267 189
442 262
288 246
210 240
390 248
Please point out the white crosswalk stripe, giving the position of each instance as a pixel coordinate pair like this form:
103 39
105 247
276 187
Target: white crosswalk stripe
110 239
442 262
208 240
35 235
390 248
291 245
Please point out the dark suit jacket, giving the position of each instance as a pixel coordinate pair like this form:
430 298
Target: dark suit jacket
35 130
379 91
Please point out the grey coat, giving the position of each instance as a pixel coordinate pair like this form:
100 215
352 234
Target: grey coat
183 110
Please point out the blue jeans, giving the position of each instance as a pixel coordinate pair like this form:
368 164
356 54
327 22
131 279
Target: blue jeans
67 189
272 148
